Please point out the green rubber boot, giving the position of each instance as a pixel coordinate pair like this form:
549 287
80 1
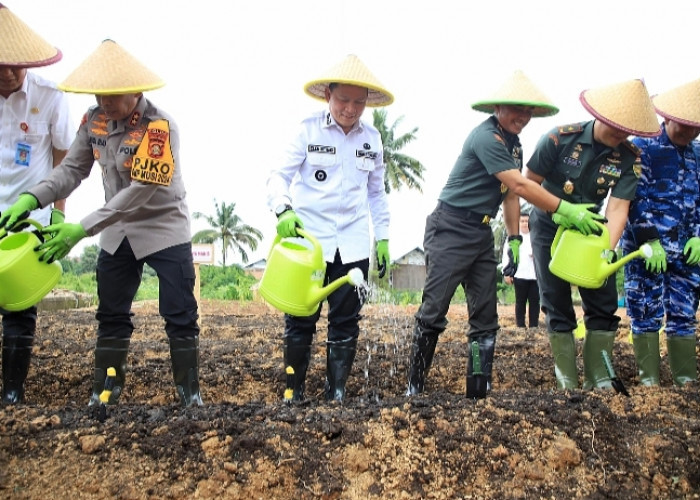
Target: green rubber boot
564 354
682 359
595 374
646 352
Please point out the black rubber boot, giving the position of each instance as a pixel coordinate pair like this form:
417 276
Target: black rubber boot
340 356
297 355
479 365
109 353
422 352
16 356
184 356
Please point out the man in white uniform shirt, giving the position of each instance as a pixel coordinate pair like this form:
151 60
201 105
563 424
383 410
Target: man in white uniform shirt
527 293
331 183
35 133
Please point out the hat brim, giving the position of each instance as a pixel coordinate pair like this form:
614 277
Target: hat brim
613 124
682 121
376 97
36 64
111 91
540 109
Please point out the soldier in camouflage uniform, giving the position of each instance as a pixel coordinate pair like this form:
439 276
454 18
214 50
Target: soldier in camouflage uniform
582 163
667 208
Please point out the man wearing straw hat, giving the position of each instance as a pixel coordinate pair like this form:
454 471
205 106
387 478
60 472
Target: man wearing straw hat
458 241
583 163
145 219
331 183
667 208
36 132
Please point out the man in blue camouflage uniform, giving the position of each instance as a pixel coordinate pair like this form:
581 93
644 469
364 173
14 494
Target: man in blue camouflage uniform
667 208
583 163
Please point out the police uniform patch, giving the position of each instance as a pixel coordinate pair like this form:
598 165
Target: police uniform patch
360 153
153 162
317 148
499 139
320 175
573 128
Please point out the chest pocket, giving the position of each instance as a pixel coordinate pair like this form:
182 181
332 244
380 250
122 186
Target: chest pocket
364 164
36 131
318 160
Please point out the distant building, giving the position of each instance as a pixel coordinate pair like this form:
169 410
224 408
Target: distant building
408 271
256 269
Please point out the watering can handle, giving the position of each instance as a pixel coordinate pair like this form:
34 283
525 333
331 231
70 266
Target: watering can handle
4 232
555 241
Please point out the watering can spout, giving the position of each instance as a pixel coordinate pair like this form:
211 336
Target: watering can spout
354 277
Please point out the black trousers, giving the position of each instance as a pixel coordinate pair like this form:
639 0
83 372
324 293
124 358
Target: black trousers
19 323
527 295
119 278
599 305
343 306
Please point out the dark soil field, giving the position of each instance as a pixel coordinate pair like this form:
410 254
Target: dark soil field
525 440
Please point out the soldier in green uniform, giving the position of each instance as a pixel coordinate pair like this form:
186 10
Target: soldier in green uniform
583 163
458 241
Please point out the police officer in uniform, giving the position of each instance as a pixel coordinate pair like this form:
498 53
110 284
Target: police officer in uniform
331 183
458 241
145 219
36 130
667 209
582 163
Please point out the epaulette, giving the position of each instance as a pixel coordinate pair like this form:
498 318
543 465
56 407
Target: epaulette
633 147
573 128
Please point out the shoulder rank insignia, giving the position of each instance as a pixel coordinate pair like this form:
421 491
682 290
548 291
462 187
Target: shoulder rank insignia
573 128
632 147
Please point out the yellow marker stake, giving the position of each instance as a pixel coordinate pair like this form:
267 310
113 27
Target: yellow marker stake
109 385
289 391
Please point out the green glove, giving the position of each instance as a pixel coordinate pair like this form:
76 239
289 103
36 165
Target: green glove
18 211
513 255
657 262
580 217
57 216
287 224
383 259
63 237
692 251
560 220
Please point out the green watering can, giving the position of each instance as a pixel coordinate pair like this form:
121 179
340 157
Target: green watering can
294 274
582 259
24 279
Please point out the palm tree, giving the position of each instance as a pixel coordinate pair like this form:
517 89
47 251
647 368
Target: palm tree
400 169
228 227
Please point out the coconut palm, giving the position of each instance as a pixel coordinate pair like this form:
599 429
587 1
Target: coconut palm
401 170
228 228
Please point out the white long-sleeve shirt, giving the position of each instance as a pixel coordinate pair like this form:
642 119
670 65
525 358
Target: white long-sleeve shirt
334 182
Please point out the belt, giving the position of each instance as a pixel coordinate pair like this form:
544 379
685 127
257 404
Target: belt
463 213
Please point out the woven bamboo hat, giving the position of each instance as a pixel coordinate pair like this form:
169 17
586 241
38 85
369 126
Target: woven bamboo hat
518 90
681 104
20 47
625 106
110 70
351 71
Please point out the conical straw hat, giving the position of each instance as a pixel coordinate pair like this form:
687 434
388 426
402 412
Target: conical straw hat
518 90
681 104
21 47
625 106
110 70
351 71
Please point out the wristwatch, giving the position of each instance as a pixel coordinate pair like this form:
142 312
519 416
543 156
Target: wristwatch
282 209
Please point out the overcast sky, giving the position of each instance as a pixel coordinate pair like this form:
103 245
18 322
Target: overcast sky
235 71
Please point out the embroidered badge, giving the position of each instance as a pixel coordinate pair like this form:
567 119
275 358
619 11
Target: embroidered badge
153 162
372 155
572 128
499 139
571 161
610 170
134 119
317 148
